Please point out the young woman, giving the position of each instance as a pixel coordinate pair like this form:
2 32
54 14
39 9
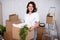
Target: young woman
31 18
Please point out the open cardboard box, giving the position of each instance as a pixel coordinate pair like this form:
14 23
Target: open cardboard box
15 34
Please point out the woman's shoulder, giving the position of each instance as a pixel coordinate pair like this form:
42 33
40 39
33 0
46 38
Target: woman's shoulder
35 13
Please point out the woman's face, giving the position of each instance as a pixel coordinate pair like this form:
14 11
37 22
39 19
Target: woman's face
30 8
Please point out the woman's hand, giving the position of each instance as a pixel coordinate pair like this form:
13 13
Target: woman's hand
31 28
36 24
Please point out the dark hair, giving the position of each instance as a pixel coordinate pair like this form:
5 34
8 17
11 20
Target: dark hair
34 6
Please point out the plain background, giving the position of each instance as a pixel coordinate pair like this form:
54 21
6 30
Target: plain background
19 7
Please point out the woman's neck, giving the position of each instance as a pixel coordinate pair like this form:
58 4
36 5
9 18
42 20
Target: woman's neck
30 13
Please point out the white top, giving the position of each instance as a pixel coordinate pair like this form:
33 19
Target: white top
29 20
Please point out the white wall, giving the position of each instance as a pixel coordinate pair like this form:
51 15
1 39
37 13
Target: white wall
58 18
19 7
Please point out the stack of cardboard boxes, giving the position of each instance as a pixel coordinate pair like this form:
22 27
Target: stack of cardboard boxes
12 19
12 33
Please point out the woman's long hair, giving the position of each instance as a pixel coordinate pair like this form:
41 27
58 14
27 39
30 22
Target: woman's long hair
34 7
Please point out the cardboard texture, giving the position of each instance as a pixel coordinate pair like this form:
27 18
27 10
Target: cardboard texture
15 34
12 33
9 27
13 17
40 33
7 36
49 19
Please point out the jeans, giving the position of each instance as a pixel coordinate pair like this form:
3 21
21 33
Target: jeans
35 34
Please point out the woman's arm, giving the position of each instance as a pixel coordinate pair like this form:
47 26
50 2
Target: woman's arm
36 24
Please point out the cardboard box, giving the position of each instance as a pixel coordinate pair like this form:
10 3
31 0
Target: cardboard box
15 34
13 17
49 19
9 25
7 36
40 33
9 29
